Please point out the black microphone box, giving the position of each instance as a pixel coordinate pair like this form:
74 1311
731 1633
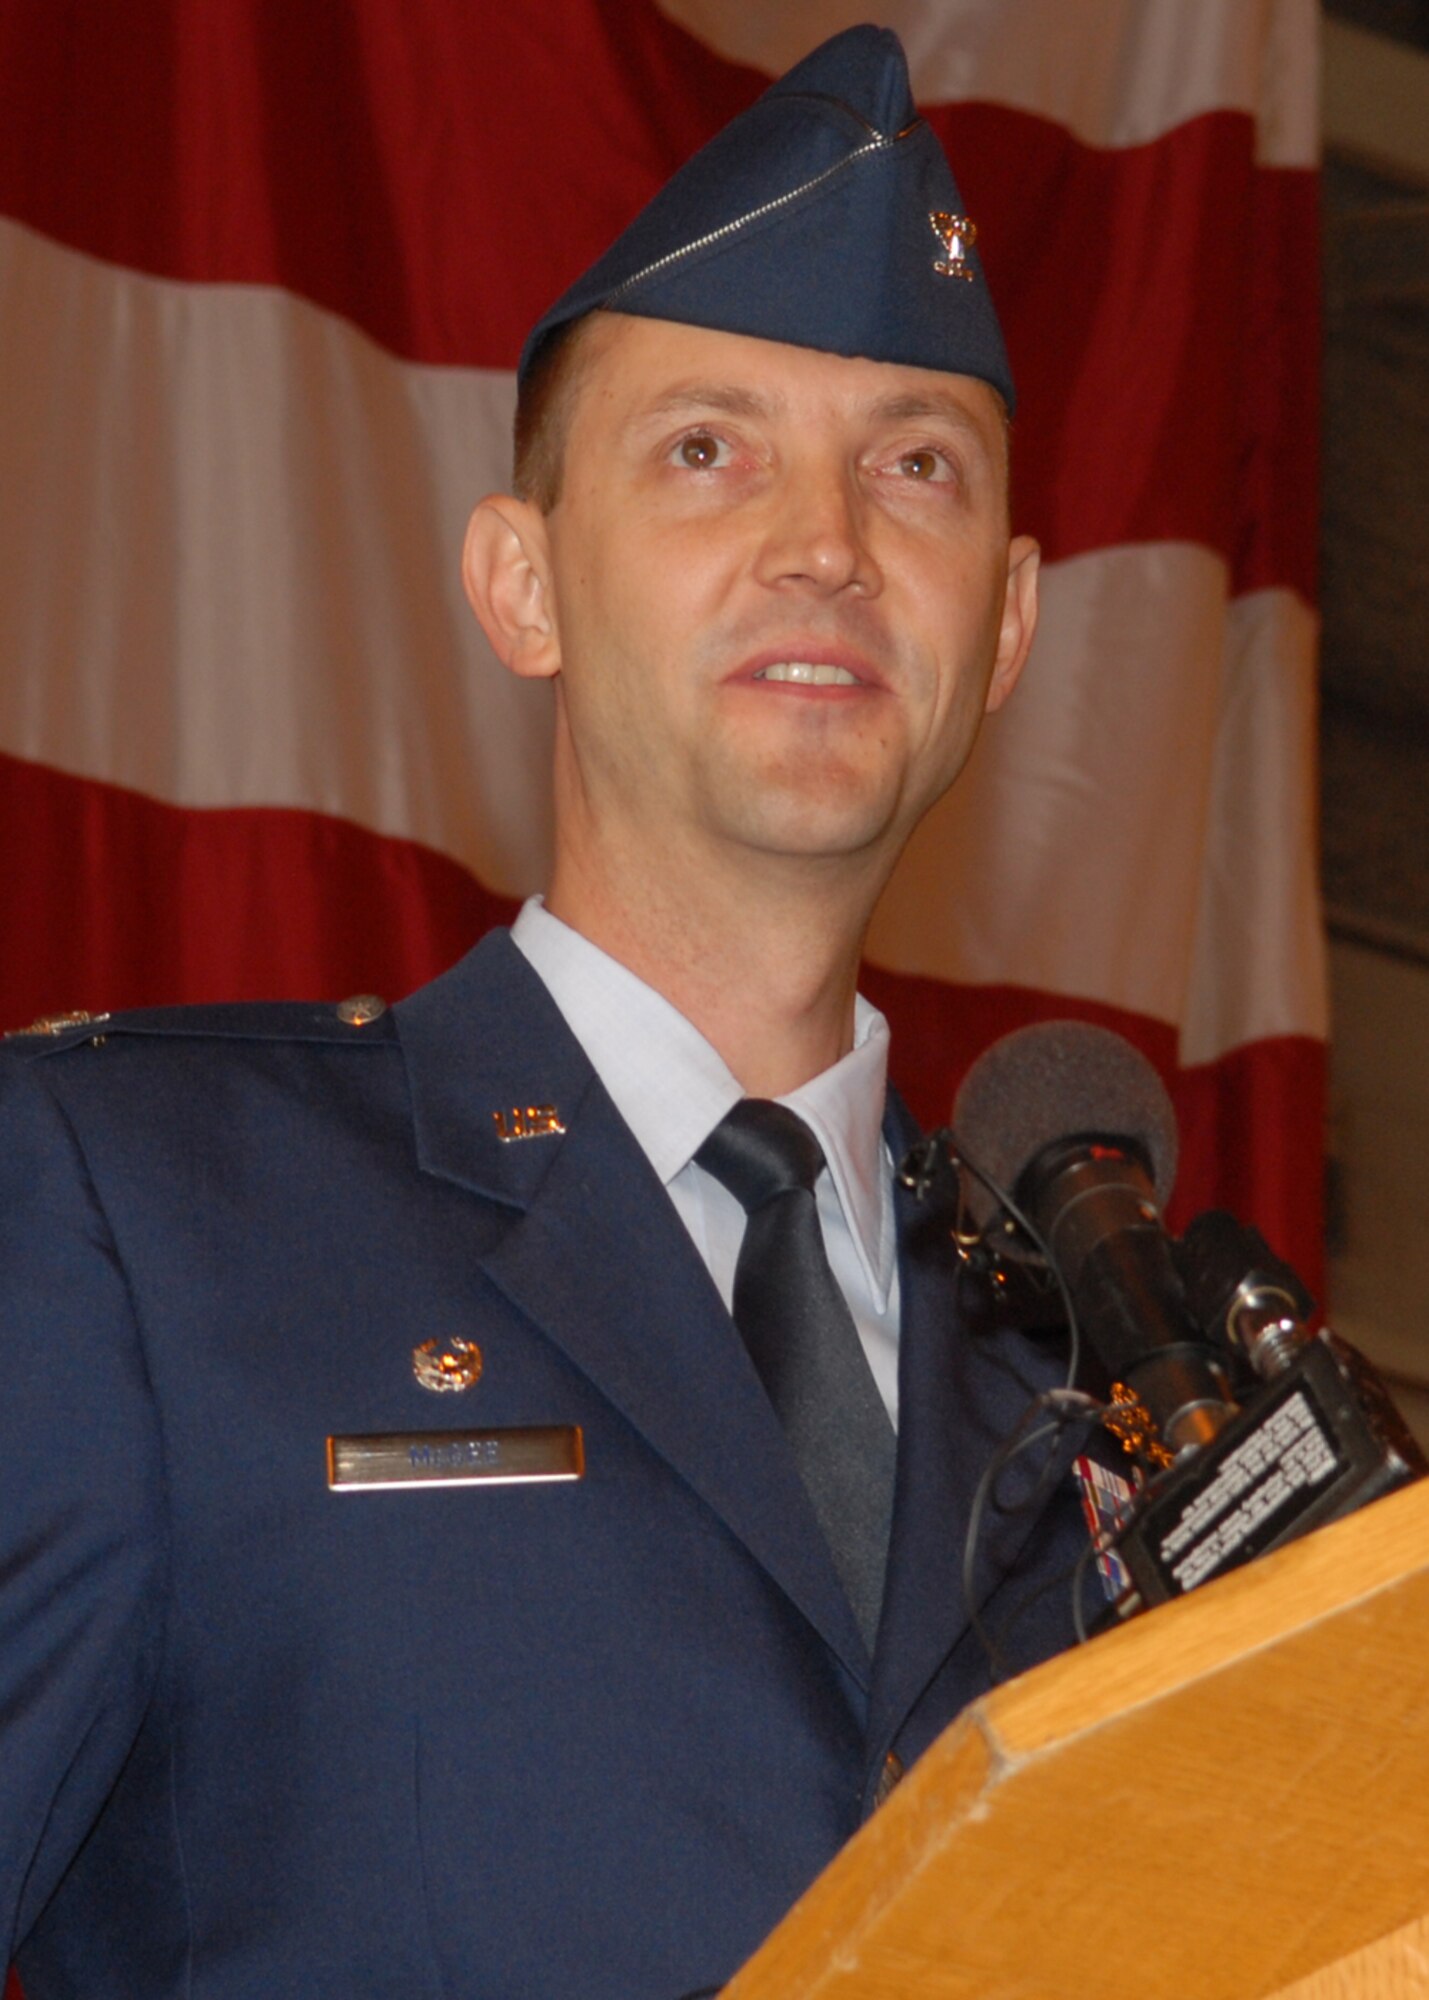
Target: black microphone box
1319 1441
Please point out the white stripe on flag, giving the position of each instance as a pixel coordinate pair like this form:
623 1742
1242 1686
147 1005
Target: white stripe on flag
1114 72
1258 963
230 530
1136 826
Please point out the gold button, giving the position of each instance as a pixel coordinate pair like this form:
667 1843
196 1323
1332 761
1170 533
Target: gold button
360 1009
888 1778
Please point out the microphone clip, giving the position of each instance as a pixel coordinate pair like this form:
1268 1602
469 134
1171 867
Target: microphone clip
1017 1279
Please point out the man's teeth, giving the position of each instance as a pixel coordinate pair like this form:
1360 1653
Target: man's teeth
808 673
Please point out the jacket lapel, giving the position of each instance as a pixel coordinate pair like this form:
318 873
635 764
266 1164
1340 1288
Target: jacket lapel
598 1259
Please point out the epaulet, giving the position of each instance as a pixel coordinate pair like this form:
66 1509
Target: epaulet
363 1017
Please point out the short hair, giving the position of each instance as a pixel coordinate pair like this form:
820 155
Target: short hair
543 415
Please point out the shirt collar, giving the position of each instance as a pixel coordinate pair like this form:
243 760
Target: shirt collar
672 1087
844 1106
668 1083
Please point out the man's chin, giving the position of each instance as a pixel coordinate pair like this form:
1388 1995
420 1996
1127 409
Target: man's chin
813 830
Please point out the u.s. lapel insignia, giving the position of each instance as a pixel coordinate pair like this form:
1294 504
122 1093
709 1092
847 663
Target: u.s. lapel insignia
957 235
529 1121
456 1366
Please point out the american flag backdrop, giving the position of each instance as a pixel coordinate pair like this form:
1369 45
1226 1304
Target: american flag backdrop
264 274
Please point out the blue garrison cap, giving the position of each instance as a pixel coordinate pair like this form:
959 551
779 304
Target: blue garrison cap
824 215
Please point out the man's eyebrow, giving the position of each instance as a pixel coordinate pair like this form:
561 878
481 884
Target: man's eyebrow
915 406
722 397
731 400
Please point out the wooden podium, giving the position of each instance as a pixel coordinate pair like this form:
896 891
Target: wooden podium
1227 1798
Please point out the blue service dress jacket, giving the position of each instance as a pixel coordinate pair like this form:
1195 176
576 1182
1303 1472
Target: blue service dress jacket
264 1740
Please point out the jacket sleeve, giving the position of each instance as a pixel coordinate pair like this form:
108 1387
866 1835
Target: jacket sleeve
82 1543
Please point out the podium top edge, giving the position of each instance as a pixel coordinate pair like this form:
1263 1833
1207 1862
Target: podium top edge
1335 1570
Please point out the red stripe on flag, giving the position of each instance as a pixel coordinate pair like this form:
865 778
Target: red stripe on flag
1162 312
125 902
115 900
427 173
382 161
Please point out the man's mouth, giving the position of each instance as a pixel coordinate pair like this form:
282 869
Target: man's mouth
807 673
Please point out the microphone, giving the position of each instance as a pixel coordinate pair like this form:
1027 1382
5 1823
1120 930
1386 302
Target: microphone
1076 1125
1073 1130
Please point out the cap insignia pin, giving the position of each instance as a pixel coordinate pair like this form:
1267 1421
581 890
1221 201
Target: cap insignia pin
456 1366
957 235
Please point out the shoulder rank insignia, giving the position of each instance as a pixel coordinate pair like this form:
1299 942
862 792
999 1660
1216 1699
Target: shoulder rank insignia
60 1024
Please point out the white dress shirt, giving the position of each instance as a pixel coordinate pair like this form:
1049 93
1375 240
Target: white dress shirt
672 1088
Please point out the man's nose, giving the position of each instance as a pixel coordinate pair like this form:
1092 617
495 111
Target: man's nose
817 535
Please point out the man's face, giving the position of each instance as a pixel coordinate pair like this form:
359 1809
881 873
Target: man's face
778 583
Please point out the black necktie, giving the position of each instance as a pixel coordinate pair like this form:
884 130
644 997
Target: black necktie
804 1344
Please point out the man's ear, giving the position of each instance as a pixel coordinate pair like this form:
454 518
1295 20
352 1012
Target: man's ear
506 568
1019 619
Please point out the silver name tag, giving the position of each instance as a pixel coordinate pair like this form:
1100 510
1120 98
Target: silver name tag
455 1458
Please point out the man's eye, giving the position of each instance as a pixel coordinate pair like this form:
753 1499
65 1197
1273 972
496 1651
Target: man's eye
923 464
701 450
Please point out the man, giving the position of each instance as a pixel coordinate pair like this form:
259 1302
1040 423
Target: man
411 1582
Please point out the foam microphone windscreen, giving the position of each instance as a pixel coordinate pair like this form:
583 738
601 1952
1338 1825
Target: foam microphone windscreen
1059 1080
